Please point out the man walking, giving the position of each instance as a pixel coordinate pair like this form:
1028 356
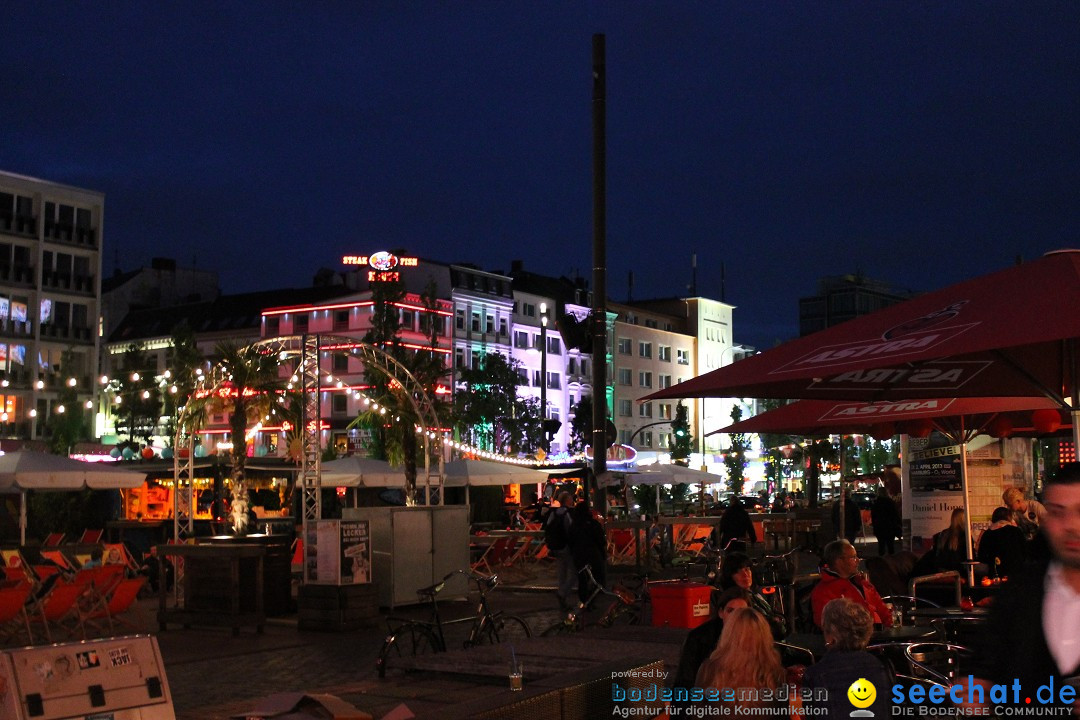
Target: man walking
557 538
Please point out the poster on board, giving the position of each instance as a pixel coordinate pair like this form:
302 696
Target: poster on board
935 486
338 552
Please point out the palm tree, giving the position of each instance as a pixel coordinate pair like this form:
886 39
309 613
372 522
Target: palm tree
251 374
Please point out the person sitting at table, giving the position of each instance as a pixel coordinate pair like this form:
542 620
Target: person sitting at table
736 527
840 577
847 626
737 572
950 545
702 640
1028 514
1002 545
746 661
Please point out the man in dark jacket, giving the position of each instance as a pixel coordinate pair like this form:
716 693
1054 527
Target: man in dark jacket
885 519
1044 646
735 524
588 546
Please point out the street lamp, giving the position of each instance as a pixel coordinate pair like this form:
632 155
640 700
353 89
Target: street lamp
543 376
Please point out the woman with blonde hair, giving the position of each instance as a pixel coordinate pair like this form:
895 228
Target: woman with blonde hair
949 544
744 661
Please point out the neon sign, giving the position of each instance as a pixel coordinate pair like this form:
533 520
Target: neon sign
384 265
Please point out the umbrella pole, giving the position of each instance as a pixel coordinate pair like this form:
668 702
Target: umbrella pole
1075 413
843 513
969 566
22 517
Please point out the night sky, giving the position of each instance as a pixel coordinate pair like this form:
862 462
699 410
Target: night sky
918 142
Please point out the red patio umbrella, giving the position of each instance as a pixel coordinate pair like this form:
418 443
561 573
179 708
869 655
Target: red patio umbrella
959 419
1011 333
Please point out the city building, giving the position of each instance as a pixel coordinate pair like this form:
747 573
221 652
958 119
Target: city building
50 301
844 297
163 284
663 342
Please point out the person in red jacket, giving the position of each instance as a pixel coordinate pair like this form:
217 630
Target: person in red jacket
840 577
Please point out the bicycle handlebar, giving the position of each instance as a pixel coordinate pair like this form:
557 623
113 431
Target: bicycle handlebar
484 583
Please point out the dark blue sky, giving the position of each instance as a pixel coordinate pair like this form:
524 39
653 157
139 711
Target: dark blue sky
919 142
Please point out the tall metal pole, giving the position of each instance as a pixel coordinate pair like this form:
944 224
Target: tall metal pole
599 305
543 376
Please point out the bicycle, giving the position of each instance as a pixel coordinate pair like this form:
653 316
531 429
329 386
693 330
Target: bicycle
629 606
409 637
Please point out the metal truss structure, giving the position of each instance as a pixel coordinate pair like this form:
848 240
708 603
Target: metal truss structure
305 351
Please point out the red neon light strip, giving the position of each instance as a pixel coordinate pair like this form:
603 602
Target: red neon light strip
340 306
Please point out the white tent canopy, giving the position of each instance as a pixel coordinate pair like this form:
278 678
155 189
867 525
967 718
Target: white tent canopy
28 470
356 471
460 473
670 475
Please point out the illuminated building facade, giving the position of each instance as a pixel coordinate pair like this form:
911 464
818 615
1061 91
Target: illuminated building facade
660 343
50 301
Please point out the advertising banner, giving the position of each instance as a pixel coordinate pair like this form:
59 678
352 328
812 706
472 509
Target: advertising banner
338 552
934 486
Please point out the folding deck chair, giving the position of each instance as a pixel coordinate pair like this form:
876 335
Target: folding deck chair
119 603
58 609
53 540
13 617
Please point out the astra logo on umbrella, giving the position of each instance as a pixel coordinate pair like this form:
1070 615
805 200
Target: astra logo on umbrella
835 357
910 408
941 377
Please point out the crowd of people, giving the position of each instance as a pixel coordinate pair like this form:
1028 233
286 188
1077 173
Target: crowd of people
737 646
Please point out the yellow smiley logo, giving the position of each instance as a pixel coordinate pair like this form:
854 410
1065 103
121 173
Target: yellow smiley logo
862 693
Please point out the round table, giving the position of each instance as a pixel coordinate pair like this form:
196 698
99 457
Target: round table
901 633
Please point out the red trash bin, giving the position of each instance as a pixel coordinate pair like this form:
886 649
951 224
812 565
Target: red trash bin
679 604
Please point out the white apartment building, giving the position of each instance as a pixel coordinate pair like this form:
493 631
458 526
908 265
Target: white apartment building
50 299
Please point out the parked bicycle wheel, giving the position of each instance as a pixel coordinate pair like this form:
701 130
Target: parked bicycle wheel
502 629
408 640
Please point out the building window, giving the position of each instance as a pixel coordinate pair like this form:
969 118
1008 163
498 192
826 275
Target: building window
624 376
476 364
625 346
650 323
646 439
339 403
341 363
664 381
665 440
683 357
624 437
489 325
665 411
645 379
571 366
300 323
341 320
625 408
459 319
459 357
408 320
528 309
503 327
273 326
584 366
536 378
663 352
554 346
645 410
476 322
645 349
523 376
553 381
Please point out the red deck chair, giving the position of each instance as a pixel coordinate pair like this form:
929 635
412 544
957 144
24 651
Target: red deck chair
13 617
500 552
59 609
54 540
90 537
120 601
